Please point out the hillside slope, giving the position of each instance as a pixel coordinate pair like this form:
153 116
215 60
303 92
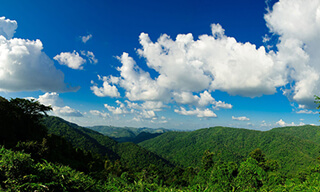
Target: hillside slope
308 132
130 154
129 134
80 137
232 144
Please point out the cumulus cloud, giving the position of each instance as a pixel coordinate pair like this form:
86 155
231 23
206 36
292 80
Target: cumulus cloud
213 62
138 83
283 124
207 113
147 105
189 70
117 110
99 113
72 60
305 111
21 59
57 105
107 89
148 114
7 27
204 99
86 38
92 59
66 111
297 23
243 118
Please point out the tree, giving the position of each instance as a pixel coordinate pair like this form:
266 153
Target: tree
207 159
317 101
20 120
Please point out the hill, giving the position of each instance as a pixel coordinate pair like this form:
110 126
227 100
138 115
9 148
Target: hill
132 155
129 134
308 132
80 137
231 144
32 160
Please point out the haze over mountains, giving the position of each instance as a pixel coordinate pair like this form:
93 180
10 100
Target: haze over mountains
296 148
41 152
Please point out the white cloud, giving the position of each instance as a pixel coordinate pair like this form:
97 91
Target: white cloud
147 105
184 97
215 62
23 65
90 56
207 113
187 66
86 38
99 113
298 25
189 70
305 111
283 124
243 118
117 110
105 90
72 60
138 83
52 99
57 105
204 99
221 104
148 114
66 111
7 27
153 105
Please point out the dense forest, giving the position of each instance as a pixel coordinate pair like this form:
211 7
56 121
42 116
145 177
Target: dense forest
129 134
44 153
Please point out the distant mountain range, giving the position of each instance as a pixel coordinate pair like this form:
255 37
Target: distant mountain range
295 148
87 139
129 134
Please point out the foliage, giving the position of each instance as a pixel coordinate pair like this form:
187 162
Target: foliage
19 172
129 134
215 159
132 157
20 121
80 137
294 153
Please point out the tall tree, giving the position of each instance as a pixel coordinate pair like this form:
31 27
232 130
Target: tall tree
20 120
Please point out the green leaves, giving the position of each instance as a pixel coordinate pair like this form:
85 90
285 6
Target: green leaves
20 121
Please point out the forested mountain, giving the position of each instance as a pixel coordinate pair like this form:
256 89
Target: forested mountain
41 153
296 148
80 137
129 134
308 132
86 139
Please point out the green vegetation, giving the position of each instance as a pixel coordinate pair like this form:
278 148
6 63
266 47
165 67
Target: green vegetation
41 153
294 153
129 134
131 155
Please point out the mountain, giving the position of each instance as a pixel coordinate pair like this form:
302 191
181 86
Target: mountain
80 137
130 154
293 152
308 132
129 134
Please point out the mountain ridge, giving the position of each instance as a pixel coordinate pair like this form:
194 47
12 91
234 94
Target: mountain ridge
234 144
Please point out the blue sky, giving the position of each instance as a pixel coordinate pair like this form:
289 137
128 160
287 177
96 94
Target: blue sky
172 64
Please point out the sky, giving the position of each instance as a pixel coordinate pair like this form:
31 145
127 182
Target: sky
173 64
